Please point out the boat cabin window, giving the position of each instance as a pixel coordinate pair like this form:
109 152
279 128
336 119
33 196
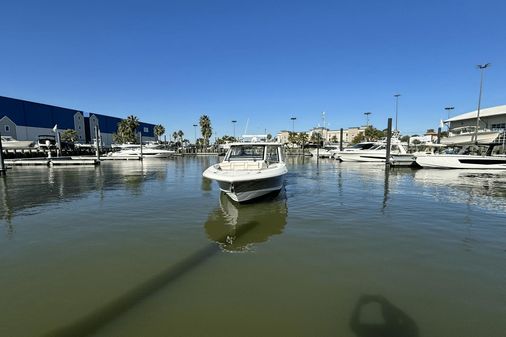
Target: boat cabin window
246 152
272 154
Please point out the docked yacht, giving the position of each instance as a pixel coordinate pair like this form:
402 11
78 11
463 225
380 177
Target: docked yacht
468 135
9 143
376 153
325 152
465 160
134 150
354 148
249 170
409 159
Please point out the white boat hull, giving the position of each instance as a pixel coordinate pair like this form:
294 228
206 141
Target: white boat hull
322 153
247 185
362 156
462 162
16 144
484 137
146 154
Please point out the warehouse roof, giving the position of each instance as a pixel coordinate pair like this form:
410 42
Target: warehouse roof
486 112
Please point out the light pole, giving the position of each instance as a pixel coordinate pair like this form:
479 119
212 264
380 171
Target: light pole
233 122
195 133
396 109
367 118
482 67
448 110
293 123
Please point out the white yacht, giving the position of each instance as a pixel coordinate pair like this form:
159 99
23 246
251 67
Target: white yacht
464 160
9 143
409 159
249 170
325 152
376 153
134 150
468 135
353 148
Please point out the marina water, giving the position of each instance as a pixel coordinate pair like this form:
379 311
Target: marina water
153 249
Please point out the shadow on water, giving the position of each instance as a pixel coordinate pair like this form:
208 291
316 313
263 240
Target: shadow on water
392 323
224 223
248 227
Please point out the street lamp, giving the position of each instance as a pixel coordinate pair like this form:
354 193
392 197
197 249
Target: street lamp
482 67
233 122
293 123
448 110
396 109
367 118
195 133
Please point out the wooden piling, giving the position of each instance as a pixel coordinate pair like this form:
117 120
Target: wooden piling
439 135
2 166
389 142
341 140
140 142
97 142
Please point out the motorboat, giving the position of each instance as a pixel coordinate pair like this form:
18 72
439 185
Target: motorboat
9 143
409 159
147 152
249 170
354 148
468 135
376 153
46 142
469 157
324 152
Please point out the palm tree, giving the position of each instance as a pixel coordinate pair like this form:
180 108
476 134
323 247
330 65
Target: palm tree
159 130
292 137
205 128
180 134
132 122
126 131
174 135
302 138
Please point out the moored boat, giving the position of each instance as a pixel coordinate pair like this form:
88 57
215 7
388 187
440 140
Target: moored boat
9 143
376 153
464 160
468 135
249 170
147 152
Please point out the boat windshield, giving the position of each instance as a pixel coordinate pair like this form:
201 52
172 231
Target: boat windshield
246 152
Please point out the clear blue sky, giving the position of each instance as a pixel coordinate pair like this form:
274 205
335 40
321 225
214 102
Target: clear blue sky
169 62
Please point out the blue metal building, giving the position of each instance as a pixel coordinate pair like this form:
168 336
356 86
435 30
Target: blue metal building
25 120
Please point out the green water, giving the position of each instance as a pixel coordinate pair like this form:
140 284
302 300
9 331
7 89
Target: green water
152 249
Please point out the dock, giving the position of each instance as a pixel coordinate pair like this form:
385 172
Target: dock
57 161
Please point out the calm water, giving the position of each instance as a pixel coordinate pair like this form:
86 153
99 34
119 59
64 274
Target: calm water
152 249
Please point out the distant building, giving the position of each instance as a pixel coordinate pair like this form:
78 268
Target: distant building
282 137
328 136
25 120
493 118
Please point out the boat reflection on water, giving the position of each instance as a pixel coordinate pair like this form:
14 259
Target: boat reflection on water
236 227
